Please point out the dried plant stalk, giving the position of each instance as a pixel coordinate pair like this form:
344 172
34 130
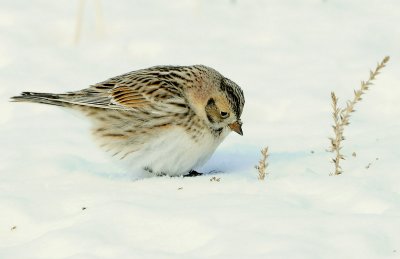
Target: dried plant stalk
341 117
338 130
263 164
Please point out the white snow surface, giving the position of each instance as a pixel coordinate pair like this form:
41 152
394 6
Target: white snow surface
62 197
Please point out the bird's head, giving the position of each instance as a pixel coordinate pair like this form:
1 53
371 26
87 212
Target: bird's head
224 107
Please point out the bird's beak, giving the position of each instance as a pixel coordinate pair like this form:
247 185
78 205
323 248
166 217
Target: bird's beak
236 127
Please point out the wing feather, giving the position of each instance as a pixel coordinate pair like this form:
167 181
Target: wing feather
143 90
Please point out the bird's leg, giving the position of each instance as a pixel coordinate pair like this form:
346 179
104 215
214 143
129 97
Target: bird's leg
193 173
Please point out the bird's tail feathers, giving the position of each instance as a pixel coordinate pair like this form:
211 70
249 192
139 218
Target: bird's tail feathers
46 98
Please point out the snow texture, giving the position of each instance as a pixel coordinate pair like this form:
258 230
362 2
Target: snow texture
62 197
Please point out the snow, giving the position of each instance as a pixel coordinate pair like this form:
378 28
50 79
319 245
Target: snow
62 197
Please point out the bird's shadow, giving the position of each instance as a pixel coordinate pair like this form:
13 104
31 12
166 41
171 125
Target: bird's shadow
231 160
223 162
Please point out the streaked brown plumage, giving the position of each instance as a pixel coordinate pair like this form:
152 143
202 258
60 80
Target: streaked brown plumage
155 115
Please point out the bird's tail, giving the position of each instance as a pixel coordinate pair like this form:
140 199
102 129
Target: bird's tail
46 98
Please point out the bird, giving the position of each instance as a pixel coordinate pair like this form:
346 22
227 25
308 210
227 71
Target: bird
162 120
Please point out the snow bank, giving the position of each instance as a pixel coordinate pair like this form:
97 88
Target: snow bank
61 197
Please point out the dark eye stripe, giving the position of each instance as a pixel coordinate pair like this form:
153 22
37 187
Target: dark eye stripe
211 102
235 97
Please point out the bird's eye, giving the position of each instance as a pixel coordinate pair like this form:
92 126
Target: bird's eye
224 115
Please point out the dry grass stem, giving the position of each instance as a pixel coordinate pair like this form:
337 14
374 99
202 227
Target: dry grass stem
263 164
341 117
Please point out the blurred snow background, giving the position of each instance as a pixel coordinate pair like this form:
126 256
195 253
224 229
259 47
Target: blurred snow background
62 197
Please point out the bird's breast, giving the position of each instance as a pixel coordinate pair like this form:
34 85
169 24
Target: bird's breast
175 151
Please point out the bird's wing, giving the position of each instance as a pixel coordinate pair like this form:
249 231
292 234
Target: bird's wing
137 91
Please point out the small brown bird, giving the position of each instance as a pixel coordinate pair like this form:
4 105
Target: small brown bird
166 120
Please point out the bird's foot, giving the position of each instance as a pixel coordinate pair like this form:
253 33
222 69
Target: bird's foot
192 173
